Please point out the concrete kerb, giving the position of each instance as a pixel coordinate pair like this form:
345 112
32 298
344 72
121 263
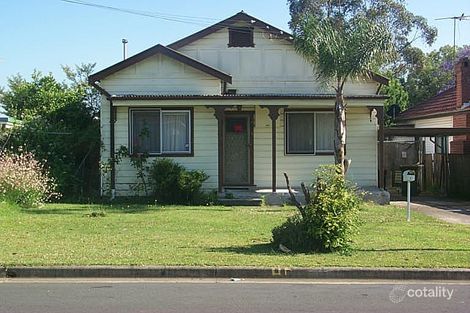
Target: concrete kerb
234 272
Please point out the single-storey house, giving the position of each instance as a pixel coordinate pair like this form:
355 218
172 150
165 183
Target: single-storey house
448 109
237 101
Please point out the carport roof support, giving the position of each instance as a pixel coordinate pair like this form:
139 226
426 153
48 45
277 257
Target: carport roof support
425 132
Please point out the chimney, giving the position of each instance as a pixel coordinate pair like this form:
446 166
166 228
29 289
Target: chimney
462 82
461 144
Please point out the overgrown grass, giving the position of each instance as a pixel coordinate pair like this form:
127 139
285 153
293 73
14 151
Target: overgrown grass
71 234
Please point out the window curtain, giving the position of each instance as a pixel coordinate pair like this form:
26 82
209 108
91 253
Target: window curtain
325 131
146 131
301 132
175 131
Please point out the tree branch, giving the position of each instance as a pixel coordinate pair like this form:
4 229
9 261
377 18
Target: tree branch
306 193
293 198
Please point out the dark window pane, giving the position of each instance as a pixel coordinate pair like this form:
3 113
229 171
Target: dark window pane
300 133
145 131
240 37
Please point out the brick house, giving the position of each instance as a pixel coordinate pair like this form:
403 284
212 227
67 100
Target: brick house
448 109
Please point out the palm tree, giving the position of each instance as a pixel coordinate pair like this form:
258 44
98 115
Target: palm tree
341 51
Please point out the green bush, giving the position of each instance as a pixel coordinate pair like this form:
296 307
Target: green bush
172 183
328 221
24 180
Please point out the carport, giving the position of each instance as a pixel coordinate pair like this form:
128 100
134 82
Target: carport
448 164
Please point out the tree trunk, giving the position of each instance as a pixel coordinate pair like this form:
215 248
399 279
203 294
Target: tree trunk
340 129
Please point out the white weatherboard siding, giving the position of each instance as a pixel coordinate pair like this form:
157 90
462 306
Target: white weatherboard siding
437 122
161 75
361 149
272 66
205 150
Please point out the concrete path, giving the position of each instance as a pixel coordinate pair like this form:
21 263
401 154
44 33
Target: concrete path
448 210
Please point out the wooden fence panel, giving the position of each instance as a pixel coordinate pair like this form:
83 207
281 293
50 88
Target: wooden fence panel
459 175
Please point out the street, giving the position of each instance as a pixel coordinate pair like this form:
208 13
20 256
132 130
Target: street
225 295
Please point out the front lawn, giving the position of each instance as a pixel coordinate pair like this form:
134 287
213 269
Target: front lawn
67 234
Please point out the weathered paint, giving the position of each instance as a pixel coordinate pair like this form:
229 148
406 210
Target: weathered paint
361 149
271 67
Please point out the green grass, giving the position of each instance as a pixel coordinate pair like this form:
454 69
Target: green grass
69 234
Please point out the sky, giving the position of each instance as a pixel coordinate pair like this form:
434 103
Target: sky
45 34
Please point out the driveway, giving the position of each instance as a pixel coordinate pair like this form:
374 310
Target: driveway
449 210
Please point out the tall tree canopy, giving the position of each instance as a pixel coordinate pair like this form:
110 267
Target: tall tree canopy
432 72
404 26
341 51
58 125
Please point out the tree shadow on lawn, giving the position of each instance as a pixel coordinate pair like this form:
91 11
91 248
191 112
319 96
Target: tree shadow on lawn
87 209
120 208
269 249
411 249
259 248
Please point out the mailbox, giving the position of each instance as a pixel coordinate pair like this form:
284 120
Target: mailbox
409 176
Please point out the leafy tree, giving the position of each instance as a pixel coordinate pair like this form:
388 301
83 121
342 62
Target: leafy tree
397 95
59 126
434 72
392 14
341 52
79 79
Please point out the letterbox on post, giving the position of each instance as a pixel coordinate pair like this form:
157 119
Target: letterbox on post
408 177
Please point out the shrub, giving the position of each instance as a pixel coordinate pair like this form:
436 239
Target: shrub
328 221
24 180
173 183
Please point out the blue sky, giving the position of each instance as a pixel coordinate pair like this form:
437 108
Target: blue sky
43 34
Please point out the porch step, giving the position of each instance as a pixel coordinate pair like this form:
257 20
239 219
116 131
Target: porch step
240 197
241 201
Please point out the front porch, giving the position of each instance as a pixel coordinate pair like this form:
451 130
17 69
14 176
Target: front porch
244 144
259 197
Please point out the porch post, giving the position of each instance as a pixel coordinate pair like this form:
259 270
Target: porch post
381 152
219 113
273 115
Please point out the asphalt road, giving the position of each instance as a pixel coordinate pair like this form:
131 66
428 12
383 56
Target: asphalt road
51 296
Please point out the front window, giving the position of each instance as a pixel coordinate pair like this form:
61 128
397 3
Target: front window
309 132
159 131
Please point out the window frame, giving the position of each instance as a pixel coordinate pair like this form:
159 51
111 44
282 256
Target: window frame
189 110
233 29
315 113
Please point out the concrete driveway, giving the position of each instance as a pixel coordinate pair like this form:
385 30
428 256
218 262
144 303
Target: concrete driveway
449 210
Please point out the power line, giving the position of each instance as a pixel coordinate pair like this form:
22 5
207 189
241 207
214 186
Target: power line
158 15
195 20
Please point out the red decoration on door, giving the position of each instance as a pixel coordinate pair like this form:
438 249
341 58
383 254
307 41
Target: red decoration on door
238 128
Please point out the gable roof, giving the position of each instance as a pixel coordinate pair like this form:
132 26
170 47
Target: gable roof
244 17
166 52
440 104
170 51
239 17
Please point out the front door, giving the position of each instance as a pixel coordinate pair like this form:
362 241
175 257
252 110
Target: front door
238 149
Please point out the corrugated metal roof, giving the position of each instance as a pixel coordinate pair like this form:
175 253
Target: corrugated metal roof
239 96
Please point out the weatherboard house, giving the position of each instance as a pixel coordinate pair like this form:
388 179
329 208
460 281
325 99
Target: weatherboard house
237 101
